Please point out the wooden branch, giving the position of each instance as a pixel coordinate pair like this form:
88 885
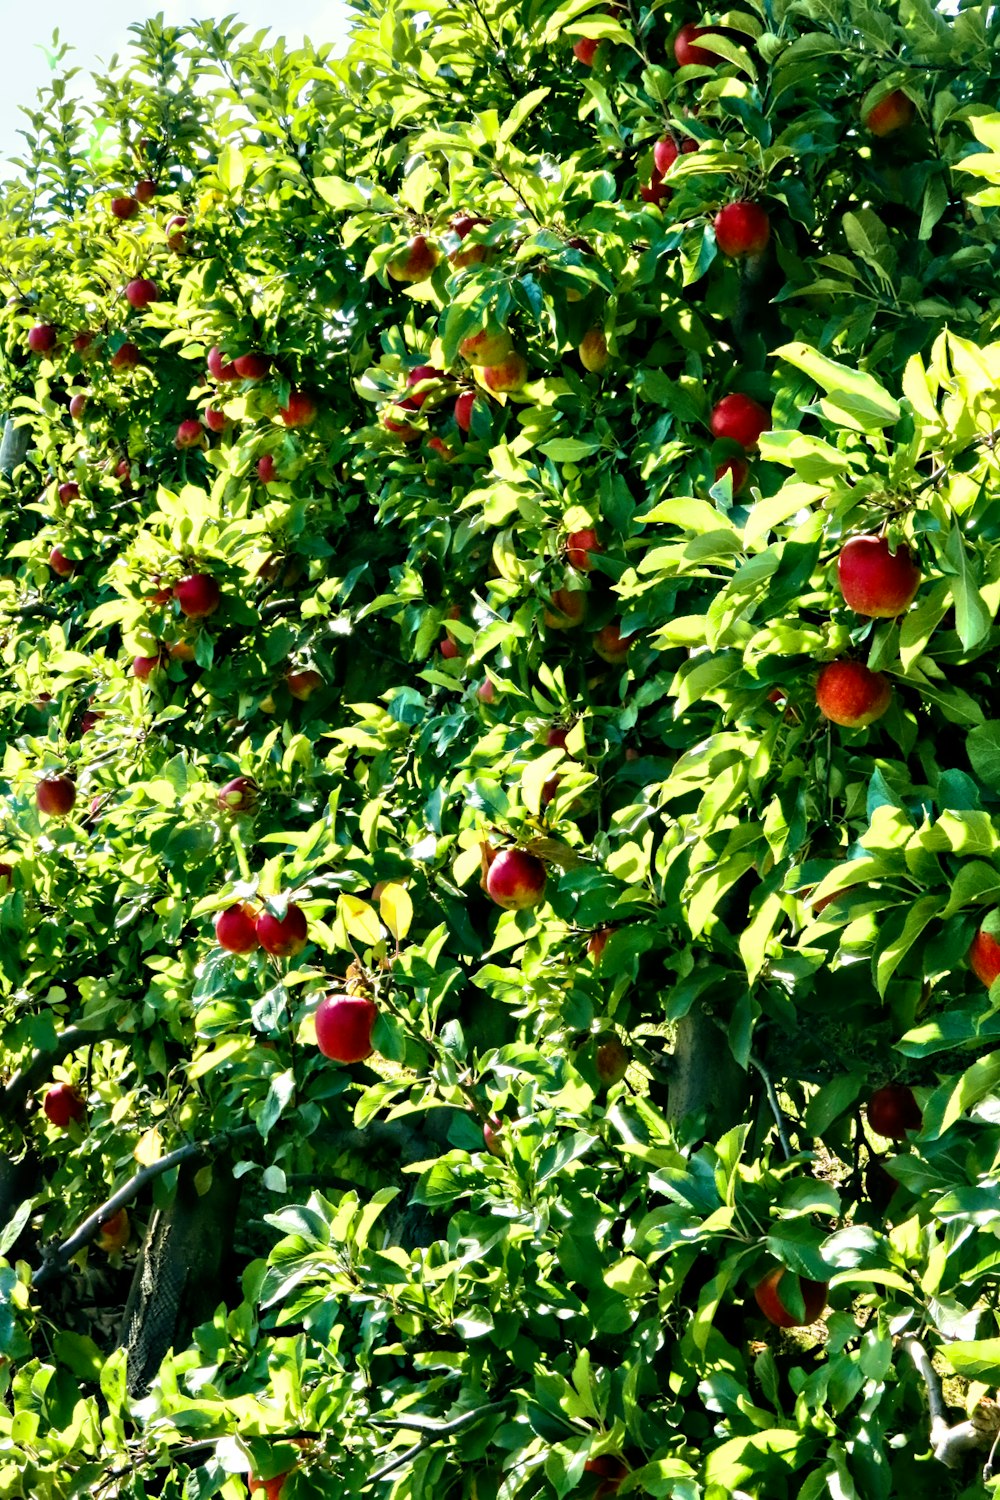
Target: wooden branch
947 1443
468 1419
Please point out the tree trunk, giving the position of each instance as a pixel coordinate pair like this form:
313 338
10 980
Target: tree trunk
14 446
706 1083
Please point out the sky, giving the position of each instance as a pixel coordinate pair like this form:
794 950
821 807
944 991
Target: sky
98 30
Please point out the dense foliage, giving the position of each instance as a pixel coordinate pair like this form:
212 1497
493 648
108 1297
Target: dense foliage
414 613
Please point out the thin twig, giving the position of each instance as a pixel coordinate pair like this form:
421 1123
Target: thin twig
776 1110
469 1419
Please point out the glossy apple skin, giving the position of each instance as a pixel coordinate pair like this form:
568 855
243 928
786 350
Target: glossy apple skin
55 796
508 376
740 418
283 937
874 581
416 262
125 357
42 338
768 1299
893 1110
124 208
687 53
984 957
270 1488
851 695
62 1104
174 231
62 565
579 546
611 1470
344 1027
267 473
77 407
144 190
742 229
516 880
190 434
302 685
141 292
236 930
114 1232
593 350
69 491
420 377
739 470
463 409
252 366
895 112
198 595
585 49
569 606
487 347
238 796
596 944
143 667
300 411
611 646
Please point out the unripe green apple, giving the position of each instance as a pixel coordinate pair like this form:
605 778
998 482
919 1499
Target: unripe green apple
593 350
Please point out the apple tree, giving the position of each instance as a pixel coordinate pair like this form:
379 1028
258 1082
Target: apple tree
500 870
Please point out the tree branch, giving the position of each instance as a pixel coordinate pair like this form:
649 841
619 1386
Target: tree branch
468 1419
947 1443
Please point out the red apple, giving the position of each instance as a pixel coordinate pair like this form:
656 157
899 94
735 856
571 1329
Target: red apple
439 447
303 684
83 343
55 795
472 255
415 262
267 473
77 406
124 472
344 1027
252 366
508 376
6 875
235 928
593 350
190 434
61 564
144 190
769 1301
493 1136
516 879
300 411
42 338
893 1110
173 229
449 650
217 366
283 937
486 691
611 1470
143 667
114 1232
611 646
739 470
875 581
579 546
488 347
851 695
271 1488
140 293
665 153
596 944
215 419
396 418
895 112
687 53
585 49
89 719
984 957
238 796
198 595
556 737
63 1103
463 410
421 381
124 208
125 357
568 608
655 191
741 418
742 229
68 491
611 1058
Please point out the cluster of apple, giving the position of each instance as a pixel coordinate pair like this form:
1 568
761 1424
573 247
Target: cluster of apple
499 366
242 929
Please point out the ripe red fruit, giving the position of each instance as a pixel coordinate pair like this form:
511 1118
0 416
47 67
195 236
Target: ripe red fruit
235 929
687 53
252 366
217 366
556 738
42 338
463 410
190 434
124 208
895 112
585 49
851 695
579 546
61 564
125 357
55 796
493 1136
611 1058
124 471
89 719
266 471
741 418
68 491
569 606
143 667
83 343
176 240
611 646
198 595
893 1110
984 957
596 944
510 375
486 691
77 406
516 879
283 937
742 229
114 1232
488 347
611 1469
769 1301
875 581
302 685
418 378
395 419
416 262
449 649
300 411
440 447
62 1104
665 153
739 470
238 796
215 419
144 190
344 1027
271 1487
141 292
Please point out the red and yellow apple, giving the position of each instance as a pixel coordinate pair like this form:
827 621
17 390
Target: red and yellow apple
344 1027
874 580
848 693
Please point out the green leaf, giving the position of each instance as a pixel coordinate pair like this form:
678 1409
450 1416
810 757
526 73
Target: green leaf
862 400
975 1360
982 746
972 618
891 956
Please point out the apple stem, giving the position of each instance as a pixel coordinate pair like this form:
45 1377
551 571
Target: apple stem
235 838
